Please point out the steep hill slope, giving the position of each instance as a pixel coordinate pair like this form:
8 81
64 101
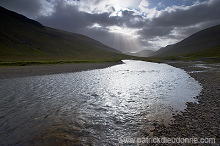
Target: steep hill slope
23 39
201 42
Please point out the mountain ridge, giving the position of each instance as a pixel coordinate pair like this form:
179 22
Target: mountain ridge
198 42
23 39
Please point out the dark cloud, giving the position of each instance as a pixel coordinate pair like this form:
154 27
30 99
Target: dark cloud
151 32
188 16
69 18
66 18
30 8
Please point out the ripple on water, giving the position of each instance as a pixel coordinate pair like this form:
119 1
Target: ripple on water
92 107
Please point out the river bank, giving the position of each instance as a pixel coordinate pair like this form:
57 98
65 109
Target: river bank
198 120
38 70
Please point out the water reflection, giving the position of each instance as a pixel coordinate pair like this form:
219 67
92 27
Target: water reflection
92 107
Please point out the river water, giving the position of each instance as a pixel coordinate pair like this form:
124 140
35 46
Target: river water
96 107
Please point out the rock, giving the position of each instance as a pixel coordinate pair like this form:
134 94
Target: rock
151 134
151 127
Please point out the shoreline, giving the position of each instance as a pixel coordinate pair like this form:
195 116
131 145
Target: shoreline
197 120
39 70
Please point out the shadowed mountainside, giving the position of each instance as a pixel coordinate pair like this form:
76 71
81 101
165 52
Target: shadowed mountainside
205 43
23 39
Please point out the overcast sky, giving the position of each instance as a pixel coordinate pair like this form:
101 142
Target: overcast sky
127 25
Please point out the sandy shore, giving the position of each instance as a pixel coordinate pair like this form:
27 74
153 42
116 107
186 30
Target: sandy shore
200 120
38 70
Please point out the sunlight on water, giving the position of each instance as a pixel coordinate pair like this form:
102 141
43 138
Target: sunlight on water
92 107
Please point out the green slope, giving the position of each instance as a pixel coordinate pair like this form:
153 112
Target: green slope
23 39
201 44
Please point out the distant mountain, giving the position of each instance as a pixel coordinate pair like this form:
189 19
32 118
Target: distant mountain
24 39
143 53
203 42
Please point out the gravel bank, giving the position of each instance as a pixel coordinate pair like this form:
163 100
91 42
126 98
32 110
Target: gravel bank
200 120
38 70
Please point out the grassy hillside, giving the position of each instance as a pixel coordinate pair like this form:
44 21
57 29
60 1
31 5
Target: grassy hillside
209 55
23 39
201 44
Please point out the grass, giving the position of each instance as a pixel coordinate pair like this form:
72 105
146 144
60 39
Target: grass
28 63
25 60
211 55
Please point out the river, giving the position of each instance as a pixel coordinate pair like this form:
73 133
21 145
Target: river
96 107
